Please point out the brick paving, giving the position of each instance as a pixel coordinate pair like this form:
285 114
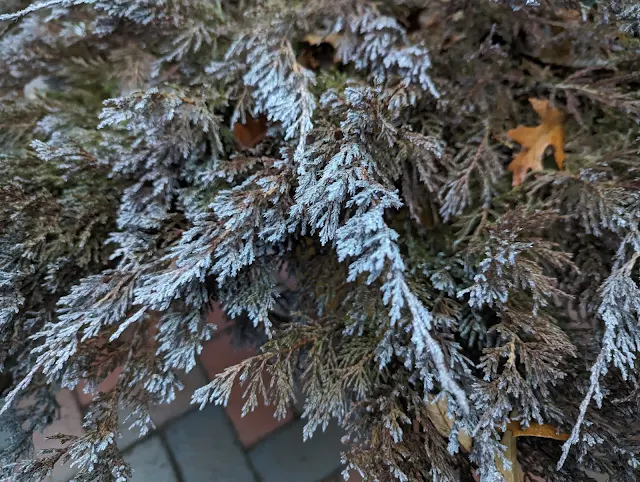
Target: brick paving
214 444
151 461
220 354
70 422
283 457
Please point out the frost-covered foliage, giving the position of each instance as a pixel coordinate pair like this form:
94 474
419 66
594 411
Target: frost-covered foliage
331 176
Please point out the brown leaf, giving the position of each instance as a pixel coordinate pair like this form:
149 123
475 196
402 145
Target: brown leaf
514 473
535 140
569 15
443 423
320 52
332 39
308 60
536 430
250 133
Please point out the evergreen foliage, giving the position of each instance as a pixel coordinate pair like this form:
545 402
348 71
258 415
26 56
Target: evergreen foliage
371 243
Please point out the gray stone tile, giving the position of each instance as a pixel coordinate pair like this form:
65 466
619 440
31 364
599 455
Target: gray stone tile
127 435
596 476
283 457
205 448
70 423
150 462
161 414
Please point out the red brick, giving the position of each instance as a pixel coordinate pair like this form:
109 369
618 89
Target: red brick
219 354
354 476
69 423
217 317
105 386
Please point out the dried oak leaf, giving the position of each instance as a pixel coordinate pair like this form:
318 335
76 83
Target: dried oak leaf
321 51
332 39
514 472
535 140
250 133
543 430
438 415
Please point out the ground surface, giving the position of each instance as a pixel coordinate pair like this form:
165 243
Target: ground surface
214 444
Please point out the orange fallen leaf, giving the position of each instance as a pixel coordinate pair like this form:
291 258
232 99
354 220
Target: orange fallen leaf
535 140
332 39
438 415
536 430
321 51
250 133
514 472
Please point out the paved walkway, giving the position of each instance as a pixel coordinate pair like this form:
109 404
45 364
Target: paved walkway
216 444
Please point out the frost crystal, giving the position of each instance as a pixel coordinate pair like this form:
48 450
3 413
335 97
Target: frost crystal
329 179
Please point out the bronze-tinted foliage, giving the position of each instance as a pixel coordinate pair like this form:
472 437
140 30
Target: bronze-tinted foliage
368 157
